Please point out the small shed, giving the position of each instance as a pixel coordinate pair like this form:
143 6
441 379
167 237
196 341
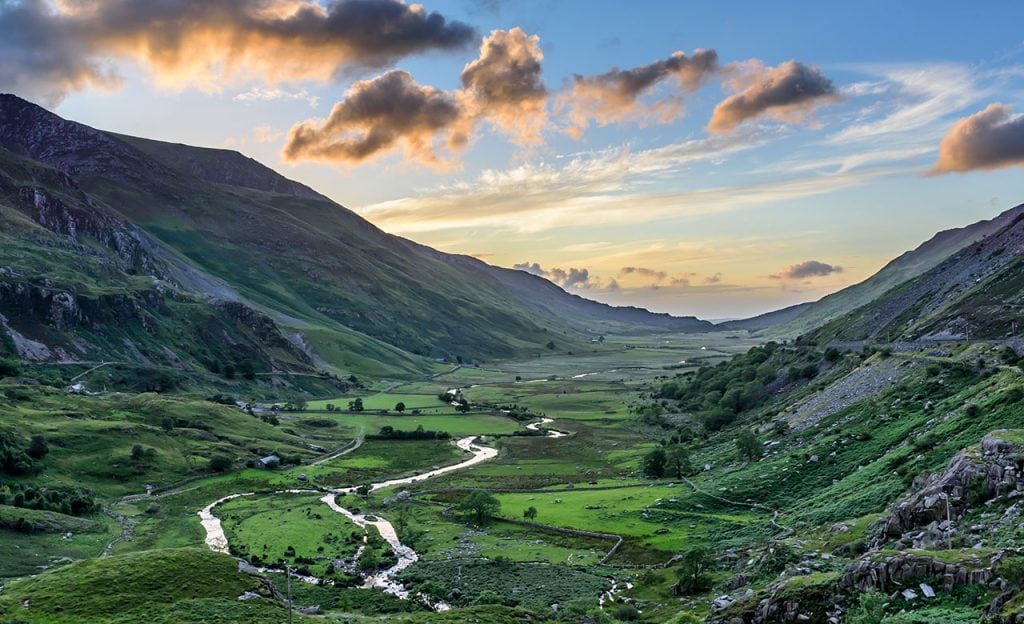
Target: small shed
268 461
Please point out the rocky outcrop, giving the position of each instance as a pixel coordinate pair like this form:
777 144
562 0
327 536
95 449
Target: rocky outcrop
65 310
263 328
894 572
939 499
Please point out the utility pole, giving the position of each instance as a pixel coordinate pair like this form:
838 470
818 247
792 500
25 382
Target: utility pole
288 573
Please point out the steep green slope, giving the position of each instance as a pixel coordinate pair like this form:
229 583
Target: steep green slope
304 260
973 294
907 266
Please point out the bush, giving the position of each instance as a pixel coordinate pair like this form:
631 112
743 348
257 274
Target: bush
220 463
9 368
870 609
625 613
1012 571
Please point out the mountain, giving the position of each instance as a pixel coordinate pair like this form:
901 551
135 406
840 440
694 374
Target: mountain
118 247
910 264
976 293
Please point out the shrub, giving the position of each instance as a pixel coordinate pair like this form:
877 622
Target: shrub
220 463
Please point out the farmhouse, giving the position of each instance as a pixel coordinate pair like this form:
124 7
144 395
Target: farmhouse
269 461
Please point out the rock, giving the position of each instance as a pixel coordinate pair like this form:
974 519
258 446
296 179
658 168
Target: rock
249 596
909 594
927 590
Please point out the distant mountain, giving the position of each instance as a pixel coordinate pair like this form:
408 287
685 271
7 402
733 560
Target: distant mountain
147 241
796 320
766 320
976 293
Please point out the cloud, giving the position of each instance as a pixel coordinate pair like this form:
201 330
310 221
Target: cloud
378 116
807 269
595 189
989 139
265 94
615 95
52 47
266 134
503 85
713 279
569 279
392 112
789 93
657 276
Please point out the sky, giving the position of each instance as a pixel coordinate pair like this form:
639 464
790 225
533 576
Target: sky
713 159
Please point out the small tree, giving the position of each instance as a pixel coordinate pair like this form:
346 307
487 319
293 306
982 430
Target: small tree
220 463
654 463
37 447
463 406
479 505
167 424
356 405
138 452
530 513
400 407
692 565
748 446
550 345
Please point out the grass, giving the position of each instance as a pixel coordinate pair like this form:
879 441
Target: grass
281 528
155 586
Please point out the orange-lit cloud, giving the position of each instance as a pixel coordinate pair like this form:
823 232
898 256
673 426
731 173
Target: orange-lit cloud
989 139
390 112
614 96
789 92
53 47
503 85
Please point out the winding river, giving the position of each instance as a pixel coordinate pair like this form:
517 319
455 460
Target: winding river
384 580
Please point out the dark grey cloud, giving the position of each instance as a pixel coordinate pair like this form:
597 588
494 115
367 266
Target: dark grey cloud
572 278
377 116
50 48
806 269
989 139
615 95
656 275
788 92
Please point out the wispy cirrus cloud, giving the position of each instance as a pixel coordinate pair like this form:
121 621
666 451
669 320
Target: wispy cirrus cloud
596 189
268 94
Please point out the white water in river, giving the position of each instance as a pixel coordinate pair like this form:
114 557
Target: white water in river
217 541
551 432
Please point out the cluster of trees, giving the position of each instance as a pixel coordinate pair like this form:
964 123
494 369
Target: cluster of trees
18 458
66 500
667 461
390 433
717 394
230 370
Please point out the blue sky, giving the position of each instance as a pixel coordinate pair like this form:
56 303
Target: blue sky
650 209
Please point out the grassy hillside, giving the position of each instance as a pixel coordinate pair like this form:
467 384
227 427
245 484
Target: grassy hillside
905 267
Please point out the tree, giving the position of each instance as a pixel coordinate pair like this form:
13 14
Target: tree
463 406
677 461
37 447
167 424
530 513
355 405
229 371
748 446
138 452
479 505
220 463
400 407
654 463
693 562
550 345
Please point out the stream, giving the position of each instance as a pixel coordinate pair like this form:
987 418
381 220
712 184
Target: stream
384 580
